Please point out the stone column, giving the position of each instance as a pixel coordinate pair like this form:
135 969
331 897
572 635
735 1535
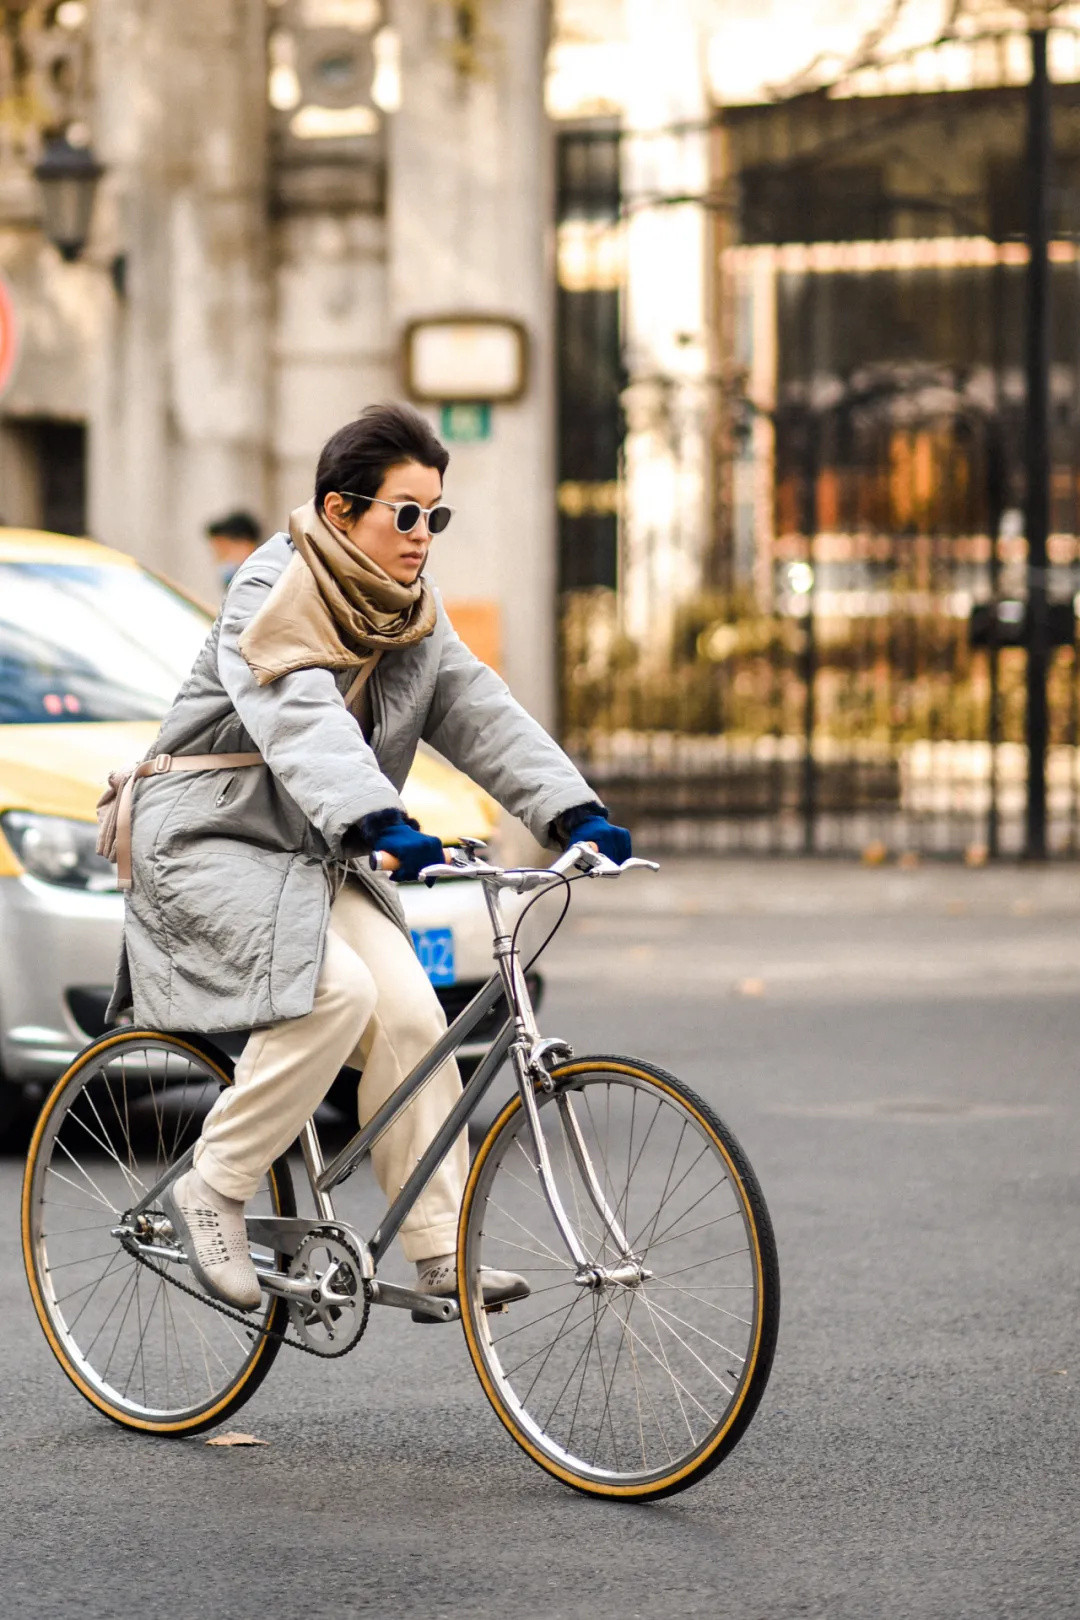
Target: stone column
180 418
469 230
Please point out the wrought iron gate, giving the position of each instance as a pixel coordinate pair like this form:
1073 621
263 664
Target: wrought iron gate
846 670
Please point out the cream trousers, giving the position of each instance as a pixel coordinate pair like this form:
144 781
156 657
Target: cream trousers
374 1009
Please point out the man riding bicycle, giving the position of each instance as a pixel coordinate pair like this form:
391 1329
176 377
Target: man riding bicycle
276 774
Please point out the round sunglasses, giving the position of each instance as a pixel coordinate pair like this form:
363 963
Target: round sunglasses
407 514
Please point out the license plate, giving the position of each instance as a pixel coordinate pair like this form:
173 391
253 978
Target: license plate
435 948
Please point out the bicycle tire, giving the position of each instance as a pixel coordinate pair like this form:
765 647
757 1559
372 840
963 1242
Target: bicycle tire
677 1472
92 1068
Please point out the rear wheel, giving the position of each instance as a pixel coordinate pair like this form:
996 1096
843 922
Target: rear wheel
622 1380
147 1352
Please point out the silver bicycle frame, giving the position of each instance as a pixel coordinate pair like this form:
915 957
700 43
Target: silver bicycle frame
519 1038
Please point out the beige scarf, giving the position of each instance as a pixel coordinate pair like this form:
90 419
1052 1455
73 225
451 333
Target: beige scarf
332 608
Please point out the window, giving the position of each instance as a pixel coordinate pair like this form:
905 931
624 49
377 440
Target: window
91 642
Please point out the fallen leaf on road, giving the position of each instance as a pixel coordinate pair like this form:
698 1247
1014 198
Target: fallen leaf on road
233 1438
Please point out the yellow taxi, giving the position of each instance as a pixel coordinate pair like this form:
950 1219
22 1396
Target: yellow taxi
93 649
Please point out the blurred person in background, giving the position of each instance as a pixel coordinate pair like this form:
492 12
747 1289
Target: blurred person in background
232 540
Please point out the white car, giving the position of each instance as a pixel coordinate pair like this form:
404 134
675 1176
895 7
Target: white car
92 651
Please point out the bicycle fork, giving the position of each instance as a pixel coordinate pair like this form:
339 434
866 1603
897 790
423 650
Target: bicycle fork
529 1054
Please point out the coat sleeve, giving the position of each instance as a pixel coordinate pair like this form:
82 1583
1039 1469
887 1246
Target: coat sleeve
479 727
300 725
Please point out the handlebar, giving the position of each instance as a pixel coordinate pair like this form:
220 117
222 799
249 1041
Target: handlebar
464 862
382 861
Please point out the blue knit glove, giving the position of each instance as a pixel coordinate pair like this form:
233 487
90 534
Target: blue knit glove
614 842
411 848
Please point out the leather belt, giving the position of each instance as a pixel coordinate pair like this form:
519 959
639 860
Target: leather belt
163 765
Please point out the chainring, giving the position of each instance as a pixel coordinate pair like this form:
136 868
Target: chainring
335 1320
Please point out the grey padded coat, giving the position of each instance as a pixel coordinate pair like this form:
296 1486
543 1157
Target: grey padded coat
233 871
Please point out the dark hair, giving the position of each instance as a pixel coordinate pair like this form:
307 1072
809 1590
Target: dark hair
359 455
234 526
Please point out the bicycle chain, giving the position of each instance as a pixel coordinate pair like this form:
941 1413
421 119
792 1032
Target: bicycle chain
245 1321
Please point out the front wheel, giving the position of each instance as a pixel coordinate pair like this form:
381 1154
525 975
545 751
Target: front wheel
622 1388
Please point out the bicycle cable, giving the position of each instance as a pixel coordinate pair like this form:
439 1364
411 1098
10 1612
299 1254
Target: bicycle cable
542 894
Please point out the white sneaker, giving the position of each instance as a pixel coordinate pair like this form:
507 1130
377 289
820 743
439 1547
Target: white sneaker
214 1237
438 1277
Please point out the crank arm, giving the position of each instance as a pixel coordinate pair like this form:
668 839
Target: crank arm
276 1282
407 1299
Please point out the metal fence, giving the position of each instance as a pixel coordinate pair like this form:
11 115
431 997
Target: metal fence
847 671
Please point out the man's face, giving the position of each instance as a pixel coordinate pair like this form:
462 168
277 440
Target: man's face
402 556
229 553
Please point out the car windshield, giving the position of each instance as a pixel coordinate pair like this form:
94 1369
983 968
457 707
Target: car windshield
91 641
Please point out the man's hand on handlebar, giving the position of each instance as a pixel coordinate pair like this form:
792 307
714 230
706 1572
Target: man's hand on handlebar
589 825
406 851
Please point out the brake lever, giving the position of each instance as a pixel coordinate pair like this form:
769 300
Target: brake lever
589 861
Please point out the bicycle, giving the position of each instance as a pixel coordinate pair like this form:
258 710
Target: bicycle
631 1369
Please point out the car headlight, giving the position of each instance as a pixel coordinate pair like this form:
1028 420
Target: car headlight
58 851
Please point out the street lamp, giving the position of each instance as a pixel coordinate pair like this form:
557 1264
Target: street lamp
68 177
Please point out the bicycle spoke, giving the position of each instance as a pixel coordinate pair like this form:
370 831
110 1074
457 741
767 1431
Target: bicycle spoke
624 1325
95 1284
549 1253
83 1260
606 1413
127 1278
138 1187
535 1321
676 1383
662 1282
653 1309
96 1192
585 1353
704 1227
564 1332
708 1193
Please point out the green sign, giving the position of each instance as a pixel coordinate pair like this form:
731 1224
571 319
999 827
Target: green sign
466 422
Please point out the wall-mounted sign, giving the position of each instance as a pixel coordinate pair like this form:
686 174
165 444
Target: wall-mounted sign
465 358
8 335
465 422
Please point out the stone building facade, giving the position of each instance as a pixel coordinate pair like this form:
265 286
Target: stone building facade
288 183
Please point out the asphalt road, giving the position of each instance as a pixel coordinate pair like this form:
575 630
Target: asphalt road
898 1053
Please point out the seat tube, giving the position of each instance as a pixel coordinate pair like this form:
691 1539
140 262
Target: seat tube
315 1165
